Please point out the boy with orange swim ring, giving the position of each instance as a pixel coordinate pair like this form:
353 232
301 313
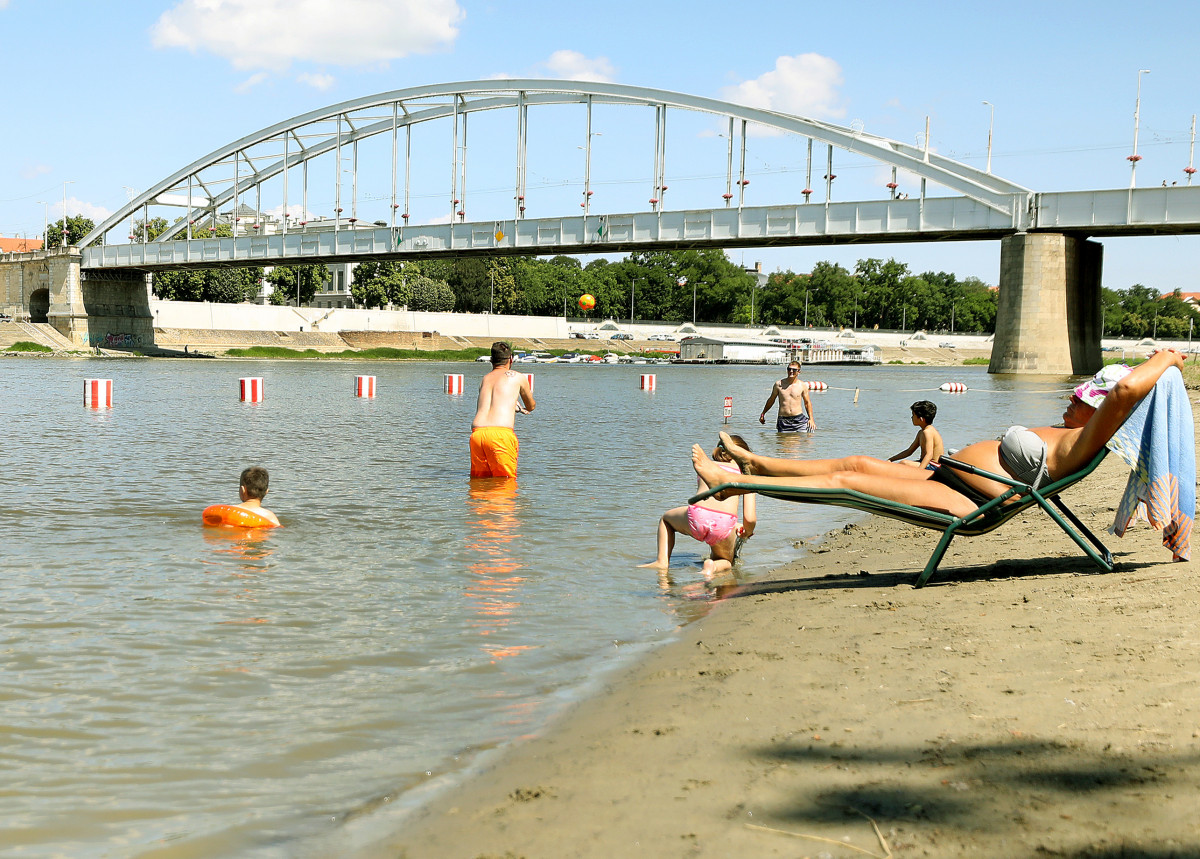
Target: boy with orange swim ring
252 489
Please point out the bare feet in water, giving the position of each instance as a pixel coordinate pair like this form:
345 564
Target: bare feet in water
656 565
739 454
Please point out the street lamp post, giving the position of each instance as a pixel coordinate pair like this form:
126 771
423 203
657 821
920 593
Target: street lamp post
632 291
682 283
1137 109
806 308
991 123
45 223
64 231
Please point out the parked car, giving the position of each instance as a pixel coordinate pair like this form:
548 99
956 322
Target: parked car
621 335
945 344
669 337
578 335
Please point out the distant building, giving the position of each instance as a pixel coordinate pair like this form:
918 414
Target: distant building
19 246
1191 299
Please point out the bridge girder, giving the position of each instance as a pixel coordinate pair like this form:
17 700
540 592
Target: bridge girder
412 106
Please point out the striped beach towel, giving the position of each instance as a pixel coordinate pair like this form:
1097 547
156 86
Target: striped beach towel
1158 442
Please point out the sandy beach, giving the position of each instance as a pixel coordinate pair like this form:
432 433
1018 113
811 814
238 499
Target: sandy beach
1022 704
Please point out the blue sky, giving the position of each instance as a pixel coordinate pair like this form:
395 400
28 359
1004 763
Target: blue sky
110 97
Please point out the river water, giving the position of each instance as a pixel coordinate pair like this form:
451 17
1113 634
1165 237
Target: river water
173 691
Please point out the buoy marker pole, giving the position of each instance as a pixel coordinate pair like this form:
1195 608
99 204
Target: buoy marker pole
98 393
251 389
728 409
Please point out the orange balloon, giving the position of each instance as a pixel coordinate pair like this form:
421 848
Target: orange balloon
586 302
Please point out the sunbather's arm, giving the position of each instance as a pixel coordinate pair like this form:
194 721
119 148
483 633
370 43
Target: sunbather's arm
1118 405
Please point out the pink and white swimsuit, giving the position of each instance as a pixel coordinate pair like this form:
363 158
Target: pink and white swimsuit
708 525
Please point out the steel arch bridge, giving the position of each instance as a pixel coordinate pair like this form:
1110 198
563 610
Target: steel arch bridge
259 187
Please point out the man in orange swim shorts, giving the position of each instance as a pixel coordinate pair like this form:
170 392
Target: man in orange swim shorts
502 393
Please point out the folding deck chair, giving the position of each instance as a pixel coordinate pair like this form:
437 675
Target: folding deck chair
984 519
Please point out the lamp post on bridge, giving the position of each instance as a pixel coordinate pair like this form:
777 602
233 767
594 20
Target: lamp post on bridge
45 224
1137 109
64 231
991 123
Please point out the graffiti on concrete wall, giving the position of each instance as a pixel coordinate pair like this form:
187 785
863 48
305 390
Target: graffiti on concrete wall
115 341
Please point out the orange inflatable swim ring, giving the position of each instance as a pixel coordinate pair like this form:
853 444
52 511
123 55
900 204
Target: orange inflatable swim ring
232 516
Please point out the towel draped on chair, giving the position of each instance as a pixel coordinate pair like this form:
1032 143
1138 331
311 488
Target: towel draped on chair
1158 442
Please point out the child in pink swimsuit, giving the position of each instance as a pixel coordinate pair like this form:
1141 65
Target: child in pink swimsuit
711 521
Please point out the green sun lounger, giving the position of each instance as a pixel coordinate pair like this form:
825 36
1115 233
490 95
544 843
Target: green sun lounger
984 519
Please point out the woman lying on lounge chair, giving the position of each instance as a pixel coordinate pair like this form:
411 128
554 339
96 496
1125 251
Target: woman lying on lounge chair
1038 456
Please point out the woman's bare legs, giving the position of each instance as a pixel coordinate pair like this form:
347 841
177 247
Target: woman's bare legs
754 463
919 492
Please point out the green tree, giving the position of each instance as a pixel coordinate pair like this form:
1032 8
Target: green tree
223 285
287 278
434 296
154 228
77 226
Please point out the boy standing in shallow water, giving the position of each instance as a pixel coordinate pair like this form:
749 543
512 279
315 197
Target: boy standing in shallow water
502 393
252 489
928 439
711 521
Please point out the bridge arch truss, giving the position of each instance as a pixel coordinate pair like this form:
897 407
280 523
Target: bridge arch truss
277 166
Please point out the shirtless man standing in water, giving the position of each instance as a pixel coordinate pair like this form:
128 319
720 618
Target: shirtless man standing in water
795 408
494 446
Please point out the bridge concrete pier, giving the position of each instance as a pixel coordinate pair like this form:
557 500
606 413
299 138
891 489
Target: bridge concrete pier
1048 317
107 309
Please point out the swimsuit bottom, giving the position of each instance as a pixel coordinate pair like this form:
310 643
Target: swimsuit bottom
708 525
1023 453
794 423
947 476
494 452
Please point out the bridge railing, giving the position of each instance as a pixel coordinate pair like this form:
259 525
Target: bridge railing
880 220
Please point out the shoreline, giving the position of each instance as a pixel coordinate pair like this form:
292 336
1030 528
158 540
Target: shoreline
1022 703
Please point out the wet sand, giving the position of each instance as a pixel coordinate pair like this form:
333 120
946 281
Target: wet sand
1022 704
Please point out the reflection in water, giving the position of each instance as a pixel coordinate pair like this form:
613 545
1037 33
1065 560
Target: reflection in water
242 553
493 534
794 445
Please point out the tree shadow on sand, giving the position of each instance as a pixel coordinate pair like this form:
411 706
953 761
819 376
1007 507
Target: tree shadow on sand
1029 795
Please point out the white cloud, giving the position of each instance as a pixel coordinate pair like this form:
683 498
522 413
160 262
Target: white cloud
804 85
272 34
75 207
3 4
574 66
32 171
319 81
251 82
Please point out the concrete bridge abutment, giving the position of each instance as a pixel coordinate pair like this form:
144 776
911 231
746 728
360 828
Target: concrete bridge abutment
106 309
1048 316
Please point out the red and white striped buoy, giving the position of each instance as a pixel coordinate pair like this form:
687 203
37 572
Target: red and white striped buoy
251 389
364 386
953 387
648 381
453 383
529 376
97 393
817 386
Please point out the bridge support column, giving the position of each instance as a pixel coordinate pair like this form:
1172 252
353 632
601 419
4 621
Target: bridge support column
1048 317
108 309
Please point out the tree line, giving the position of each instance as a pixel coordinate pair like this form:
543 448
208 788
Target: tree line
667 286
